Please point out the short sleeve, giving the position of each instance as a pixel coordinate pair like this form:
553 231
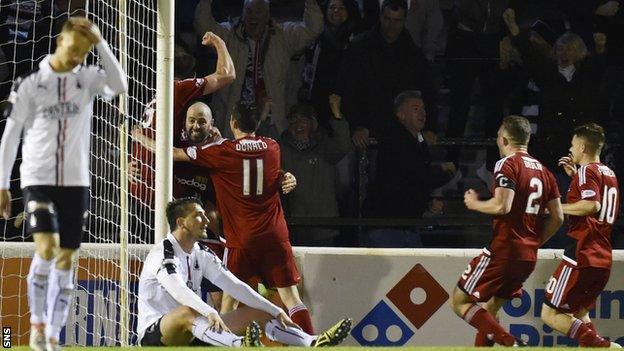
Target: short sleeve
208 156
505 174
589 183
188 89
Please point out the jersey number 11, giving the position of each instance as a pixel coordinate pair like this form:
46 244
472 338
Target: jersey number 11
259 165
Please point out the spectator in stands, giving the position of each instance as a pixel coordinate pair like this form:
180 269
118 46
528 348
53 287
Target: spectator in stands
380 64
322 59
312 154
570 85
424 22
261 50
405 175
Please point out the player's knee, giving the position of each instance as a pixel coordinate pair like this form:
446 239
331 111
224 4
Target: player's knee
457 301
46 252
547 313
186 316
65 258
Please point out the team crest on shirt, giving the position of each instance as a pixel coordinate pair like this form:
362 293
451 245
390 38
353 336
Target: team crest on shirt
587 193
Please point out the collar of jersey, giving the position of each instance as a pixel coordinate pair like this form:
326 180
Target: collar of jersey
177 249
44 66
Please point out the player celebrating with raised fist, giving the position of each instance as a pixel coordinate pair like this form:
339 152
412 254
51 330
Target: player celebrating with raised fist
592 207
524 189
52 105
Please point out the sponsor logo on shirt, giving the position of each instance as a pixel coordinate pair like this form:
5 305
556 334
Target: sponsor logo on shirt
61 110
191 182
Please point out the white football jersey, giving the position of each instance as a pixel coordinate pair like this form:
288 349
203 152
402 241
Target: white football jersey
154 300
56 110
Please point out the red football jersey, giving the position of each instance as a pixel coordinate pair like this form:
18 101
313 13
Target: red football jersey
593 182
246 177
184 91
516 234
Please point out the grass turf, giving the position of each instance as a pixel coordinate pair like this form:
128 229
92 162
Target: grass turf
341 348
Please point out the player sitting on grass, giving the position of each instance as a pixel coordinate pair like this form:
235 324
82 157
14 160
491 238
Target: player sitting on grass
172 313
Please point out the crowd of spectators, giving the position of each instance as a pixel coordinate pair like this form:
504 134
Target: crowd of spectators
360 92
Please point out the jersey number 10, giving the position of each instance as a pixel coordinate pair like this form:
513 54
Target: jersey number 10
259 165
607 208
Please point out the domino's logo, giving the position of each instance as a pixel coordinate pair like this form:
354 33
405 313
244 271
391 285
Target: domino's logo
416 298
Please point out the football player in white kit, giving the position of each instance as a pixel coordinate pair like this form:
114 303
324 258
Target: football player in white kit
53 106
172 313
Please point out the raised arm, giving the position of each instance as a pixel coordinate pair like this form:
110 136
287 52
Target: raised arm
301 34
116 81
205 22
225 72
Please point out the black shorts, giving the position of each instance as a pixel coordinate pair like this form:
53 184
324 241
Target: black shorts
153 336
54 209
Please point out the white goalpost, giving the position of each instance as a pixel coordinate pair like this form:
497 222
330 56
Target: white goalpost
123 221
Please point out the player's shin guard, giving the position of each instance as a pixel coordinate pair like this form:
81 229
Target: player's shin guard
60 289
37 288
202 331
287 335
301 316
585 336
485 323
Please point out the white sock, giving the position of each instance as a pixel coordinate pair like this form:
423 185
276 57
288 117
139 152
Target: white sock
202 331
37 287
289 335
60 289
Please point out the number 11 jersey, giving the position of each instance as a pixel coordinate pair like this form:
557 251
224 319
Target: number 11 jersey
517 233
246 176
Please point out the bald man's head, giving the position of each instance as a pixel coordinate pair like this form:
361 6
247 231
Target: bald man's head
198 122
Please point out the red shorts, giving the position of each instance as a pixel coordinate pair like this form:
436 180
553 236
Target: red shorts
274 266
571 288
486 277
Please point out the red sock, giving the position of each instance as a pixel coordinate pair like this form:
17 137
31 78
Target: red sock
591 326
486 324
300 315
585 336
481 339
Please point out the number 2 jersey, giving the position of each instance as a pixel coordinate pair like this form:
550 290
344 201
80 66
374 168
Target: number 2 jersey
592 234
517 234
246 177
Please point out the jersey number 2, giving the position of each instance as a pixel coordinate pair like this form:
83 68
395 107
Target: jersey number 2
532 206
259 165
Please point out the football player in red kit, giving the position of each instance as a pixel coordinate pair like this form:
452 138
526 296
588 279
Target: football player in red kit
592 207
523 190
246 174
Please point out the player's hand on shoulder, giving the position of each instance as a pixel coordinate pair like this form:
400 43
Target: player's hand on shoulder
285 321
216 324
214 134
289 183
5 203
568 166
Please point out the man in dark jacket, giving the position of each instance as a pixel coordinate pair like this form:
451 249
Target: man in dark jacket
405 175
380 64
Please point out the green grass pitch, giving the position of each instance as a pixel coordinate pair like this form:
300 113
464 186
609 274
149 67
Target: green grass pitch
347 348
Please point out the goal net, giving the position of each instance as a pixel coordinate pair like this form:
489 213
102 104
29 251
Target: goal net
107 273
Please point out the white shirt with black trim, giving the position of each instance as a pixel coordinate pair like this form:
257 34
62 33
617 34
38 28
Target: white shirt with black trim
54 110
172 278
